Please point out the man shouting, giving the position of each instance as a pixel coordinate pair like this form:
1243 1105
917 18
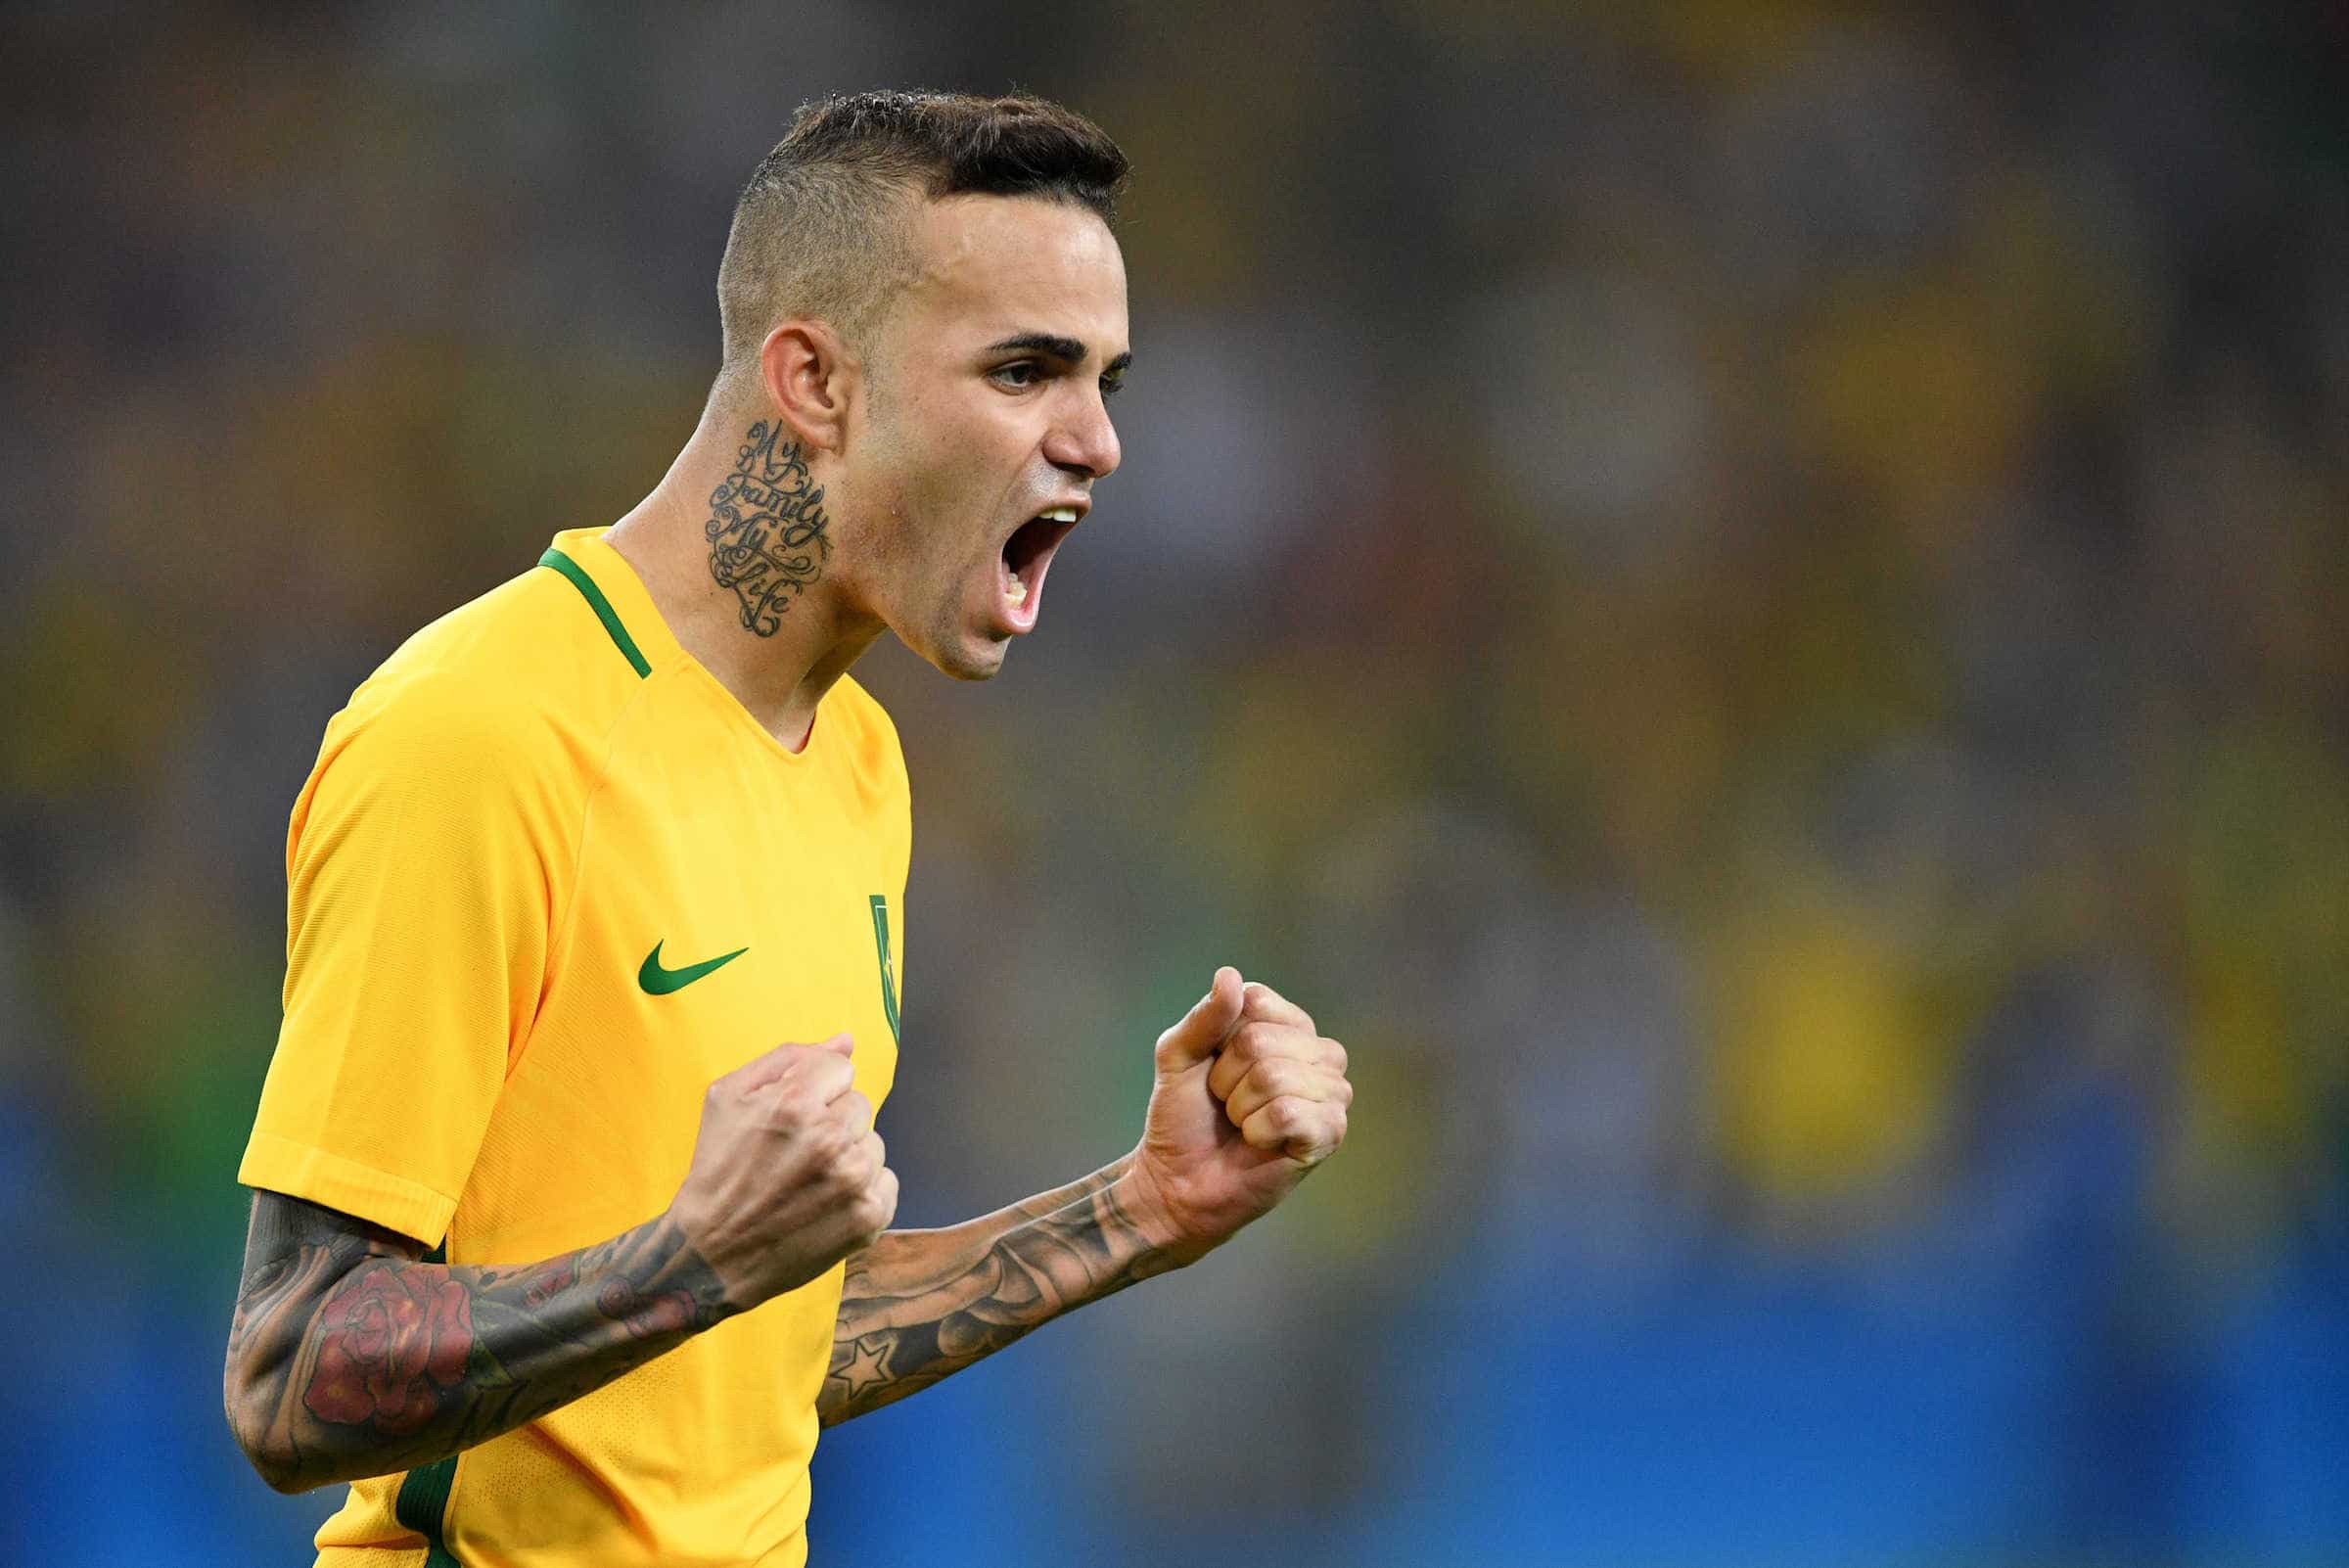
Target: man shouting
555 1255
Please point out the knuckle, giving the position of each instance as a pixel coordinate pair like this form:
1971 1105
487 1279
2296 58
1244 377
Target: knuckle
847 1143
843 1187
860 1164
1265 1000
828 1140
1286 1040
879 1201
1274 1078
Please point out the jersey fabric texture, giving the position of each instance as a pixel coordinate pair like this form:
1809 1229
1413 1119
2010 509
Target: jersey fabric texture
524 842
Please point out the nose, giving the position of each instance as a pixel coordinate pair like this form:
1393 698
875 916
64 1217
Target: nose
1083 440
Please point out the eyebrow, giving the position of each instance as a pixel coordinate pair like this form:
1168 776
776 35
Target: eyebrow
1059 347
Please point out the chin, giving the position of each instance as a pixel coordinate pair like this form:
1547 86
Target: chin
959 658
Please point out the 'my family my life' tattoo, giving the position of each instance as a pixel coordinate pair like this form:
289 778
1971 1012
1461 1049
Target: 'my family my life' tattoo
766 528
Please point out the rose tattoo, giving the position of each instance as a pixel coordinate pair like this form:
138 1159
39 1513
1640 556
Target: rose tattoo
393 1339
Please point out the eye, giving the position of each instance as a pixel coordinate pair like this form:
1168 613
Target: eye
1019 373
1111 385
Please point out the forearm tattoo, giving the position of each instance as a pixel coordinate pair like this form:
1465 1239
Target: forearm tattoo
918 1306
766 528
349 1356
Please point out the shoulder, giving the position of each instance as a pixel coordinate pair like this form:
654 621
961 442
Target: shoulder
501 702
529 644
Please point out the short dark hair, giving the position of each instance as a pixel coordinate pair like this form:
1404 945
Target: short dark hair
818 230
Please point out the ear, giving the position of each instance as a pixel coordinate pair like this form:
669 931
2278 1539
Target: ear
810 378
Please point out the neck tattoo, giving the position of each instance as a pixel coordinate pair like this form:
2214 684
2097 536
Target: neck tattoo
766 528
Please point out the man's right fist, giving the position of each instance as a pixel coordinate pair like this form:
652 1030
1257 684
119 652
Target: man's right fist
788 1174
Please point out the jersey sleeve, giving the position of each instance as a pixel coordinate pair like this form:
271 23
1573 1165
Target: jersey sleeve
423 868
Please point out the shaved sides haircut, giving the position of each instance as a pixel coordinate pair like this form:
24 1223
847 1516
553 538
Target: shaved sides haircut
821 228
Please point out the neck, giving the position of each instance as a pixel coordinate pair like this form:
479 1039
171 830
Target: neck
735 547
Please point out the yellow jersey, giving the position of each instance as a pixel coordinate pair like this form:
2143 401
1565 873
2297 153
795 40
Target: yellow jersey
546 881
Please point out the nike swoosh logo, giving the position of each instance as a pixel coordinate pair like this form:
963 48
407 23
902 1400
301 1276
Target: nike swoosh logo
660 981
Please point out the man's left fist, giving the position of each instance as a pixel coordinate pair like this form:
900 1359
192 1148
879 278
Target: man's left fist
1248 1099
1282 1084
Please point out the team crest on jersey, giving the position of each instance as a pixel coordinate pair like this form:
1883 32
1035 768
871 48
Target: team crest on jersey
889 973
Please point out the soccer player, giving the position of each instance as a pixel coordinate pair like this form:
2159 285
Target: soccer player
555 1254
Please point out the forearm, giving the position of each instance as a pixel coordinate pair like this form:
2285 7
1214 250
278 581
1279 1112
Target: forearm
351 1357
918 1306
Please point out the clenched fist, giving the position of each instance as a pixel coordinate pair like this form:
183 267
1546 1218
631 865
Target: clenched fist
1249 1097
788 1175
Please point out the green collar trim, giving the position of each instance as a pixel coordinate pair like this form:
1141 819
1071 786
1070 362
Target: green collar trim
601 607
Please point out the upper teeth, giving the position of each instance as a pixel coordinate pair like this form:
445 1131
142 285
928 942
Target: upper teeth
1059 514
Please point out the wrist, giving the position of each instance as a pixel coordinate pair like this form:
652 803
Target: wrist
1136 1192
732 1288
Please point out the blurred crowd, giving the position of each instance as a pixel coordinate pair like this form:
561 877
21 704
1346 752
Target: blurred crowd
1744 598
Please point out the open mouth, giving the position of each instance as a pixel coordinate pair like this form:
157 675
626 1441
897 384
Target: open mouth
1027 555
